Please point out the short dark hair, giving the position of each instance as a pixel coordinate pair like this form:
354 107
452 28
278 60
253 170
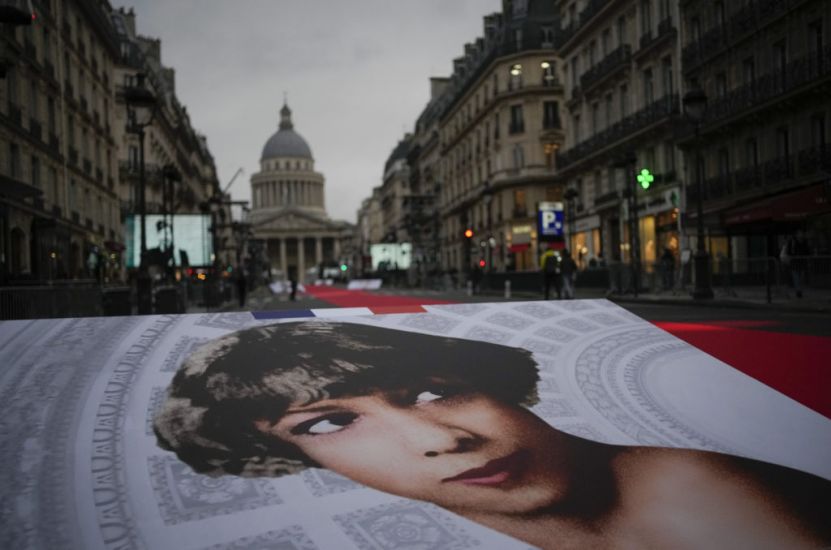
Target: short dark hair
224 387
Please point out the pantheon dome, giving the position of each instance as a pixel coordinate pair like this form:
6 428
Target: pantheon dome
286 142
288 211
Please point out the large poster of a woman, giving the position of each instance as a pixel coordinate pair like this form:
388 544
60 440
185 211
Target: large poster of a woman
501 425
443 420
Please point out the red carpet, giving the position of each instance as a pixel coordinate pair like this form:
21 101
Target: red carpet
797 365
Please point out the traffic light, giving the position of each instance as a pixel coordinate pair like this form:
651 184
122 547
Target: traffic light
343 267
469 233
482 263
645 178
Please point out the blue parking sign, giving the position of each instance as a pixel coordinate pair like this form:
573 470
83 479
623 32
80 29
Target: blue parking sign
550 220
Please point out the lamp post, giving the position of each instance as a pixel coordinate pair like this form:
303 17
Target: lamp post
171 177
141 107
487 197
630 191
695 105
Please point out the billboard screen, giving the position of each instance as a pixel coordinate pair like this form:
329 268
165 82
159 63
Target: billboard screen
388 256
191 235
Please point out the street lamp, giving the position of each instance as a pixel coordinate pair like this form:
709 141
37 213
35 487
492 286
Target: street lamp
141 107
630 191
171 177
487 197
695 105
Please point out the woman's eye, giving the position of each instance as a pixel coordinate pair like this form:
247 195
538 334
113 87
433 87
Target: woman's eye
427 396
327 425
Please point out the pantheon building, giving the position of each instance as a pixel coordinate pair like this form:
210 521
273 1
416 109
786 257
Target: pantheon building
288 212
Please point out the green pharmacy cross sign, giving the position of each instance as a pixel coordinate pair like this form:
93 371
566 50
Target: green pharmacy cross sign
645 178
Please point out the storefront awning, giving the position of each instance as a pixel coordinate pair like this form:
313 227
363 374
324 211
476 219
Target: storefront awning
793 206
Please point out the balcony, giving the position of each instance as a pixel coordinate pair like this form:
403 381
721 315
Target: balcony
806 71
651 41
718 187
67 89
814 159
88 223
710 44
88 167
83 104
35 129
99 176
76 218
50 69
609 66
611 196
649 115
779 169
73 156
747 178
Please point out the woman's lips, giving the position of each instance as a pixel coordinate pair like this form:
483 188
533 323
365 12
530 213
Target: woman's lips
494 472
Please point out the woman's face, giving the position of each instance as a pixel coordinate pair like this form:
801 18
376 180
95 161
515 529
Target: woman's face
440 443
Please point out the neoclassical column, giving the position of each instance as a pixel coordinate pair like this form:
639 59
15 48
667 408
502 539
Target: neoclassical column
301 260
283 265
336 243
318 250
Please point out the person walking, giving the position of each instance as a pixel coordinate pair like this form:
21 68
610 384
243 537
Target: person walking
242 286
568 267
552 276
667 268
794 257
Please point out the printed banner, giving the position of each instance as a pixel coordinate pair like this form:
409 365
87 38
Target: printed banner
502 426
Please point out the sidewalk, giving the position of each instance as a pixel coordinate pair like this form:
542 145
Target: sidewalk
813 300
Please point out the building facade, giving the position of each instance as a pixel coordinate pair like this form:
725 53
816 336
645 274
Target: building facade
59 215
288 212
762 153
179 170
499 129
624 105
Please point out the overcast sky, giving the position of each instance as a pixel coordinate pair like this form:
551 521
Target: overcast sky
356 73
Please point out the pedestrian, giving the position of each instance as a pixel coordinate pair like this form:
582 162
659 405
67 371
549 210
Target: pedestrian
242 286
568 267
667 268
794 258
476 278
552 275
293 283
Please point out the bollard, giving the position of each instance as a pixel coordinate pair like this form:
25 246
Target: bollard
470 288
507 289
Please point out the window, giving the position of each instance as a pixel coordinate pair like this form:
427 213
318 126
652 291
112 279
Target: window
818 131
624 102
748 70
666 70
50 108
496 126
11 86
53 182
575 68
550 115
73 196
669 157
520 209
783 146
646 16
815 37
35 171
518 38
695 30
547 37
517 122
520 8
14 161
663 9
133 157
780 59
606 42
519 157
622 36
598 184
718 15
595 117
34 111
721 85
495 84
515 77
723 162
592 53
751 157
549 77
648 88
578 134
608 111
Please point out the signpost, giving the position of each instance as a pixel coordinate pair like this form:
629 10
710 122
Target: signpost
550 219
